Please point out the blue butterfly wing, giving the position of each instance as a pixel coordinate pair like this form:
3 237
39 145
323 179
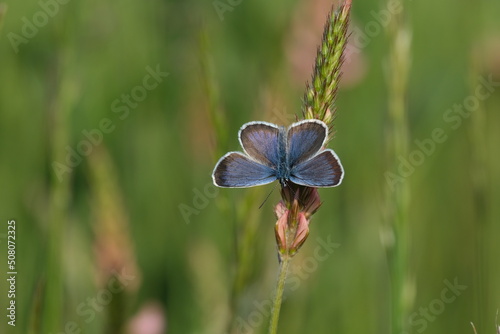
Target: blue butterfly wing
260 140
322 170
236 170
305 139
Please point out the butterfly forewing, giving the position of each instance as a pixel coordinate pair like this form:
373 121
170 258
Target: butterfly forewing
323 170
305 139
235 170
260 141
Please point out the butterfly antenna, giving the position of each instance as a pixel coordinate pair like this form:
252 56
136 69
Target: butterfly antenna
267 197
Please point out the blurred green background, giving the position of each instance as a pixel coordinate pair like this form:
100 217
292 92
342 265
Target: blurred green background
138 206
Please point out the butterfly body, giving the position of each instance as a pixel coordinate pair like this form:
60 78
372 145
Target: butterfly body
282 171
294 154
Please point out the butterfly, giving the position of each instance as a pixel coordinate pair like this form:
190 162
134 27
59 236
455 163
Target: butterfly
294 154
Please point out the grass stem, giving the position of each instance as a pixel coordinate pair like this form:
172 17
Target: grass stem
61 106
280 287
397 200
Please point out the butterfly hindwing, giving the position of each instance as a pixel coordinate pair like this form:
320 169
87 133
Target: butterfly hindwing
305 139
260 141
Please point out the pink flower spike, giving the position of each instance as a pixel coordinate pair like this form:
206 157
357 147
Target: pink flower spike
281 227
280 209
302 232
